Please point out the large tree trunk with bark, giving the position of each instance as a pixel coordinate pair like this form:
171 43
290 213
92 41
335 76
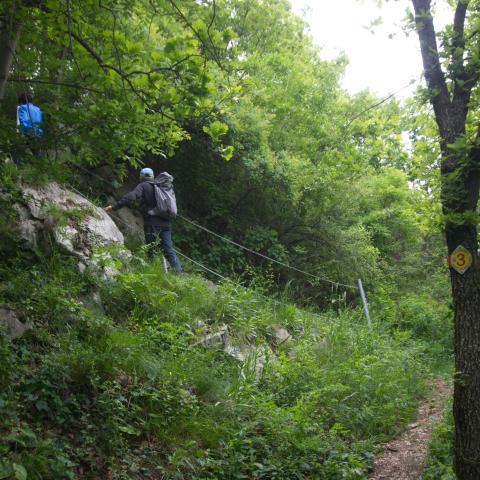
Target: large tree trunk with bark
9 34
466 300
460 173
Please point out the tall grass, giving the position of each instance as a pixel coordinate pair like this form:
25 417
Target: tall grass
134 394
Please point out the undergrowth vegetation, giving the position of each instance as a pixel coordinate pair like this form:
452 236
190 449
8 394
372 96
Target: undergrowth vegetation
125 388
170 377
440 460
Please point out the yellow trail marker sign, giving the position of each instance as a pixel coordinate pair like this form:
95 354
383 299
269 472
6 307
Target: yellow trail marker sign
460 259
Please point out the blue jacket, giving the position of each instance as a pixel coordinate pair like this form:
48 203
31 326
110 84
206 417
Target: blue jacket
29 117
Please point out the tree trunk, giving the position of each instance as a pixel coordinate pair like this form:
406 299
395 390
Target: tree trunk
460 169
9 36
466 406
460 197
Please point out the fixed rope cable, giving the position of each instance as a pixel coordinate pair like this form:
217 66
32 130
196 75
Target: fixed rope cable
200 265
266 297
243 247
266 257
203 267
225 239
380 102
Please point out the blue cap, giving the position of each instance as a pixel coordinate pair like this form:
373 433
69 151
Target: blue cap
146 172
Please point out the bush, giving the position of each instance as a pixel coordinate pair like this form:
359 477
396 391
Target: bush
440 458
131 392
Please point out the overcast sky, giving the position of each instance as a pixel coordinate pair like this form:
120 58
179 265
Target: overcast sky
382 64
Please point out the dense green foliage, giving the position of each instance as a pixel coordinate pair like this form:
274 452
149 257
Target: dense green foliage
440 461
114 78
130 392
183 86
234 100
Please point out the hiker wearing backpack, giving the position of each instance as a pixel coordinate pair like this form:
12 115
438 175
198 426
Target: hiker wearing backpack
29 116
29 125
158 206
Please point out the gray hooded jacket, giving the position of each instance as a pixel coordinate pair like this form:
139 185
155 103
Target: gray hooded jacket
144 196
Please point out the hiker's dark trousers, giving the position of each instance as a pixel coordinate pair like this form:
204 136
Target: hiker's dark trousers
160 238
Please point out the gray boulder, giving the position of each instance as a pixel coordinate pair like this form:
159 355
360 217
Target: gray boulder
281 336
129 222
93 302
27 228
217 339
77 226
11 323
252 356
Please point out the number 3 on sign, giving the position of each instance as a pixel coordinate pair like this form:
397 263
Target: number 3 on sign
460 259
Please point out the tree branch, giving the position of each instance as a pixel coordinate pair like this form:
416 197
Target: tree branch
431 62
69 24
59 84
171 68
212 20
90 50
463 80
458 40
211 51
104 66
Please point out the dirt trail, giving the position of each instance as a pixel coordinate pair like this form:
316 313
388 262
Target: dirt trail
403 458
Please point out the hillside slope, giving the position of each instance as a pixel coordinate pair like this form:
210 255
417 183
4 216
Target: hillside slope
133 393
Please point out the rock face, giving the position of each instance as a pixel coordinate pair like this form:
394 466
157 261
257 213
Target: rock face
281 336
76 225
253 356
13 326
93 302
129 222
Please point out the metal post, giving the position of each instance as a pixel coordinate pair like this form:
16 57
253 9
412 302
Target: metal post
365 304
165 264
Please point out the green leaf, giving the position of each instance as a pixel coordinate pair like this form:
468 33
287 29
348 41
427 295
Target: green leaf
19 472
5 471
41 406
216 130
131 430
227 153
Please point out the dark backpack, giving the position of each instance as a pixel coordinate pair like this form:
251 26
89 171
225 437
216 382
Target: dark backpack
166 203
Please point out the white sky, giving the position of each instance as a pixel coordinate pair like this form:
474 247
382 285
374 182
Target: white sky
382 64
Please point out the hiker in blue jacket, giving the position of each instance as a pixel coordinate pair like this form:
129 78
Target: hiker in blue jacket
29 117
158 231
29 123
